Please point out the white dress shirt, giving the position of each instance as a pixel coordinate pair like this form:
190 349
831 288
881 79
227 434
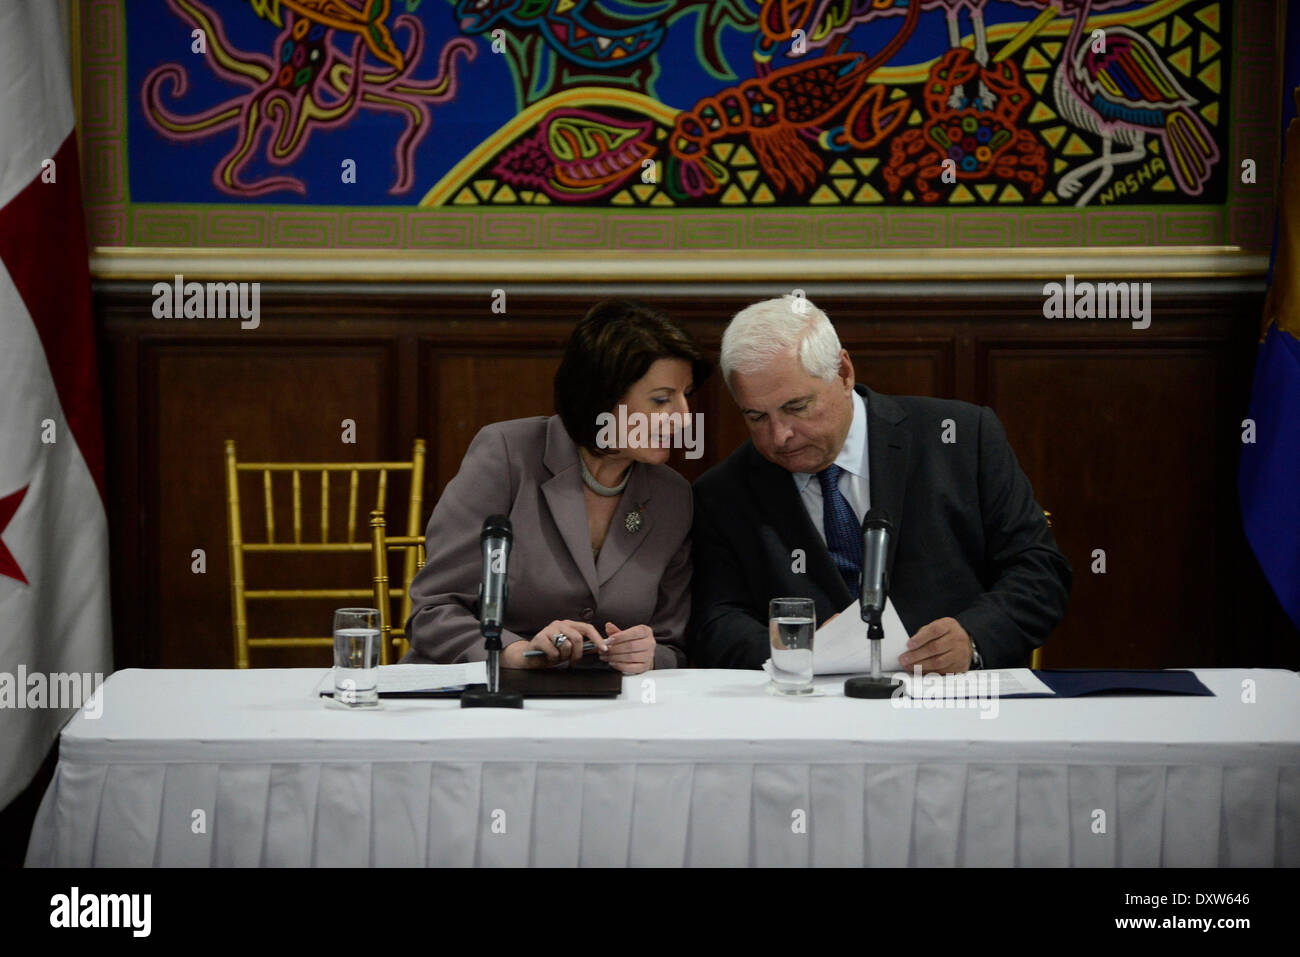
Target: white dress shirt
855 484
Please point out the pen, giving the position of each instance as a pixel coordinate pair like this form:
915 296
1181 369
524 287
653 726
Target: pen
538 653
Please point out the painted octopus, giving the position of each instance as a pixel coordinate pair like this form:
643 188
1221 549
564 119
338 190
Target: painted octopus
310 83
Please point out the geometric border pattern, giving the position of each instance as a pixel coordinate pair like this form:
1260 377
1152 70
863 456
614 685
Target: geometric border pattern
1246 220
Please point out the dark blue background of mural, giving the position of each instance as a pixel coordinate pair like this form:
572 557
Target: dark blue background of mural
162 171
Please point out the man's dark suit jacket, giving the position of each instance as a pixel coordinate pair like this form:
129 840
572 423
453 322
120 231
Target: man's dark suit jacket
969 540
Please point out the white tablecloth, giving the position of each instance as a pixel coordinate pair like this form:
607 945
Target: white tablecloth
707 770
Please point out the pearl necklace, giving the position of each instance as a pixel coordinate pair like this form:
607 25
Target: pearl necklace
590 481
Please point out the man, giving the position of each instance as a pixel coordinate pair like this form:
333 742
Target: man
974 572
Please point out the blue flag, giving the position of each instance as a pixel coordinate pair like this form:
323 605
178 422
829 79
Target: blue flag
1268 481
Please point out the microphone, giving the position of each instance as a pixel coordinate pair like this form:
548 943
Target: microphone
495 541
876 529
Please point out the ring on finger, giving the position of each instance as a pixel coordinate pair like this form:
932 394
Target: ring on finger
559 638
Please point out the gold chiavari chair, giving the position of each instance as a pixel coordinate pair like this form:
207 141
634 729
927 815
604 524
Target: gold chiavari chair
240 594
412 547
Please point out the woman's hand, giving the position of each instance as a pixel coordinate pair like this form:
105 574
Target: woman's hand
631 651
512 656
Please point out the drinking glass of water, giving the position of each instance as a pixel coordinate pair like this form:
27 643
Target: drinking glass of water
356 657
791 625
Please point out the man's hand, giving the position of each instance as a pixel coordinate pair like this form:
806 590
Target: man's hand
941 646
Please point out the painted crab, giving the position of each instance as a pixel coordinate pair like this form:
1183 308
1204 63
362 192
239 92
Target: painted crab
979 134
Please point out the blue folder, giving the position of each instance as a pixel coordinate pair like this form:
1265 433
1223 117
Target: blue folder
1080 682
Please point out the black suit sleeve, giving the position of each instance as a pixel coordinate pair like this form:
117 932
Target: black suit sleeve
672 610
725 632
1027 578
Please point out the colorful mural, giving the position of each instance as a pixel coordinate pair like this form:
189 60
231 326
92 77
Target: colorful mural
308 82
896 109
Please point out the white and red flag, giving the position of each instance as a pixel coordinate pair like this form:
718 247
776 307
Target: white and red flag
54 606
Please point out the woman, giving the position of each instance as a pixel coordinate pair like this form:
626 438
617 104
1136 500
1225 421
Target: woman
601 548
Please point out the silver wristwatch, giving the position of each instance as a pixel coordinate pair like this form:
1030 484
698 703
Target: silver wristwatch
975 660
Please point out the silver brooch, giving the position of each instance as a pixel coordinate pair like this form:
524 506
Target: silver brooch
633 520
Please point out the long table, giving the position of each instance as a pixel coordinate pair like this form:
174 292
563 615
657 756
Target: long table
686 768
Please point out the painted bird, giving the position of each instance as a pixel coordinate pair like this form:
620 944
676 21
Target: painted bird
1125 94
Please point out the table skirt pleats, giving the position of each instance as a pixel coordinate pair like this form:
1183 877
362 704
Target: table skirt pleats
513 814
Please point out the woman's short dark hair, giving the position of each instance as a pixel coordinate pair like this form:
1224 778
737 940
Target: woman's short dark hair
610 348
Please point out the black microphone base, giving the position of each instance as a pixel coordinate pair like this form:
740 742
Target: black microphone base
865 686
477 696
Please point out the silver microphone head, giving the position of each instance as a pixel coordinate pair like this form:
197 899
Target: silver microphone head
495 541
876 529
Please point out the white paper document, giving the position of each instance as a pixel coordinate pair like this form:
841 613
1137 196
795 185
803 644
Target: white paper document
840 646
997 683
396 679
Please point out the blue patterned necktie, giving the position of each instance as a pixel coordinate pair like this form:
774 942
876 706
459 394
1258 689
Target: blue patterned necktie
843 533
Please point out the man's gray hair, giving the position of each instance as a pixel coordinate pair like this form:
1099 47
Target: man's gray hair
775 328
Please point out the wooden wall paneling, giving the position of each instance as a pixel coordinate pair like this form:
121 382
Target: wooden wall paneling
474 390
281 401
901 366
1118 440
120 381
406 394
728 429
936 330
476 369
